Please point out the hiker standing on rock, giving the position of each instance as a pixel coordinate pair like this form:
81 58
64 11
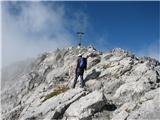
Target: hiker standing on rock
81 66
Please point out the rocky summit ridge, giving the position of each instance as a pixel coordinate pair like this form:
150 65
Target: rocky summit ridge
119 86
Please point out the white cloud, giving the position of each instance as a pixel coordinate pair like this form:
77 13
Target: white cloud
34 27
152 50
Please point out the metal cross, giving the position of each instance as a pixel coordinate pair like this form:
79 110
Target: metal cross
80 35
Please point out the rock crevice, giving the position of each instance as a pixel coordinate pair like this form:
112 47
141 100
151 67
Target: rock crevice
119 86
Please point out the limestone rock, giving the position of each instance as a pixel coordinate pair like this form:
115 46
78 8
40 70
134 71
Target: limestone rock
93 62
119 86
86 106
57 105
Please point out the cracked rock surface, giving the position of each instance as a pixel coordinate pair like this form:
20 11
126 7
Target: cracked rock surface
119 86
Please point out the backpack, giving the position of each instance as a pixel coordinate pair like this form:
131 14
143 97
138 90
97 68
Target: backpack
83 63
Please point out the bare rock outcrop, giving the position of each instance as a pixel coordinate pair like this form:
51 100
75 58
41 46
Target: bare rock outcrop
119 86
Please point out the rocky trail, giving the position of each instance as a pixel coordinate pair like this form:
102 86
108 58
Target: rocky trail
119 86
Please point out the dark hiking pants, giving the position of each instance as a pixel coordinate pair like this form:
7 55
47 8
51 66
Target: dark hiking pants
81 80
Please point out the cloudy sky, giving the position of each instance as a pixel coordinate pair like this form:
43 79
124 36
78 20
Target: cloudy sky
30 28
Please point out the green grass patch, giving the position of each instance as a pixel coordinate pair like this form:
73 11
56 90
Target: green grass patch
106 66
131 63
128 110
57 91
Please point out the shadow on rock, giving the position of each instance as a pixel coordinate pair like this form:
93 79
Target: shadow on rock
109 107
93 75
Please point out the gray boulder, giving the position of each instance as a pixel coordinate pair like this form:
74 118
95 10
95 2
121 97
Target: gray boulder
86 106
130 84
52 108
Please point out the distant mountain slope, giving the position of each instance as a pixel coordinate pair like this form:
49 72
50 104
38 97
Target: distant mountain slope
11 72
119 86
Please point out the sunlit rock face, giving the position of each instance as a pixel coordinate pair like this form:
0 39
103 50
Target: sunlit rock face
118 86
